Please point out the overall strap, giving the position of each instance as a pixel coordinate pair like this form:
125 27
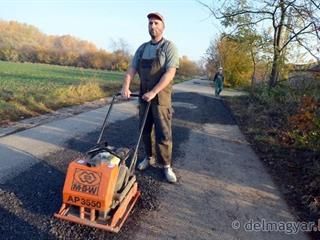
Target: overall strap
163 45
143 47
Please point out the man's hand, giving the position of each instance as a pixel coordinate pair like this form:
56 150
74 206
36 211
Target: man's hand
148 96
125 93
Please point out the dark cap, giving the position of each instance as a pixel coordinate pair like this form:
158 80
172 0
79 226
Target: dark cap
156 15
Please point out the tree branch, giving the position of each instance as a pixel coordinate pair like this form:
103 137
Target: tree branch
209 8
295 35
236 13
301 12
317 29
317 6
253 23
289 5
309 50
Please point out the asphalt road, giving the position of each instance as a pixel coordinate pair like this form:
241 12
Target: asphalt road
222 187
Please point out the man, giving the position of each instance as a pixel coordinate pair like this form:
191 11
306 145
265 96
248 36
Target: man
156 62
218 81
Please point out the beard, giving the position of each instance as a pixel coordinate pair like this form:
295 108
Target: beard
155 33
152 34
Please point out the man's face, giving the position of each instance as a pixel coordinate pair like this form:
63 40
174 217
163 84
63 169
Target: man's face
156 27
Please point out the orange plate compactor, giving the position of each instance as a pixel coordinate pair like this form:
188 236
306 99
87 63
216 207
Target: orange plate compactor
101 189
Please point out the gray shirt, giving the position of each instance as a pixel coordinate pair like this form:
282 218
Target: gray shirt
169 57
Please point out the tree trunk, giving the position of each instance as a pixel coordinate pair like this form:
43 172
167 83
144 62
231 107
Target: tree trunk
278 34
275 70
253 78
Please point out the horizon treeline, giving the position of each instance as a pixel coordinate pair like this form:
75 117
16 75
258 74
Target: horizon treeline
20 42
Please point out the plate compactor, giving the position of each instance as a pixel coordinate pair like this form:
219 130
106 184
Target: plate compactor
101 189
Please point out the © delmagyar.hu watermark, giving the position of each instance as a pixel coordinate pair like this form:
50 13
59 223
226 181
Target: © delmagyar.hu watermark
289 227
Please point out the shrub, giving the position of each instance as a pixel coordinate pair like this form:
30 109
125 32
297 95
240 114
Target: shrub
304 126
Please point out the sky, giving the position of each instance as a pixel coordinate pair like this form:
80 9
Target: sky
188 24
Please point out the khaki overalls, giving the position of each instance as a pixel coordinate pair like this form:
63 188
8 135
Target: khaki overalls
160 113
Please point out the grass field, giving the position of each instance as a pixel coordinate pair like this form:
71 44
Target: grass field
28 89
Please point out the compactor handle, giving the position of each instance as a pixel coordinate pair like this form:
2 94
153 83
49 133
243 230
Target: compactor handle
144 118
131 95
108 113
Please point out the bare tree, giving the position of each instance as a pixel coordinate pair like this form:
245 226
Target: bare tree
120 45
291 21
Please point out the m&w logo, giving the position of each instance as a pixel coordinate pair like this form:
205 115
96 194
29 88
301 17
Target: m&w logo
86 181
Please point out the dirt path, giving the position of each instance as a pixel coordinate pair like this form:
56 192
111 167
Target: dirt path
221 180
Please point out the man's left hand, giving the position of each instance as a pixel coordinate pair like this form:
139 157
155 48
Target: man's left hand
149 96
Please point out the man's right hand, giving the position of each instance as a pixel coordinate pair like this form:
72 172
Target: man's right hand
125 93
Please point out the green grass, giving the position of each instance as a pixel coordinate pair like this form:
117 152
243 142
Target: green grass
43 75
28 89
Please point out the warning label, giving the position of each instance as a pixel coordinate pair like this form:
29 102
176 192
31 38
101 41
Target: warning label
86 181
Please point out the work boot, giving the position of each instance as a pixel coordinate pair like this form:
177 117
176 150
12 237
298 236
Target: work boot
170 175
145 163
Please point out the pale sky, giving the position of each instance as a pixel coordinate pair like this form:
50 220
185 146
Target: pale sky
188 24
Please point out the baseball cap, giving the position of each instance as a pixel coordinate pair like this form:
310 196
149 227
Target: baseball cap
156 15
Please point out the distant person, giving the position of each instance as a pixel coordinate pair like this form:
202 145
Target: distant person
156 62
218 81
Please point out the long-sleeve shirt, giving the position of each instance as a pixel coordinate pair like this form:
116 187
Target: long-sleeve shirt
218 75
